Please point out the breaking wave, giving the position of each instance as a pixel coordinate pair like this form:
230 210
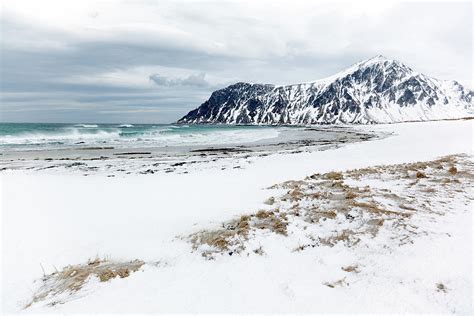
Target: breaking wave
87 125
26 136
66 136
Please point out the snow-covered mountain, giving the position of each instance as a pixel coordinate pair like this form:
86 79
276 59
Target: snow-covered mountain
377 90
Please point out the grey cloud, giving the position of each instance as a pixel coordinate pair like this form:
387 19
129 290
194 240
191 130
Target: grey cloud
198 80
250 45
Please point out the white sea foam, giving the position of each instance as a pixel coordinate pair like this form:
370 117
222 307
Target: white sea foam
87 125
66 135
171 136
156 136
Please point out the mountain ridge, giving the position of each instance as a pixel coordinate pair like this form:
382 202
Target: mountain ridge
375 90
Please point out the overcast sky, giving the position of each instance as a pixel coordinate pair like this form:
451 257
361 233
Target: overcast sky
152 61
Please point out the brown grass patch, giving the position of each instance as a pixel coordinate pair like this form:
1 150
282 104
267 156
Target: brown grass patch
339 184
374 208
218 239
243 225
319 195
347 236
72 278
232 236
420 175
276 224
316 215
353 268
291 184
453 170
263 214
295 195
350 195
279 227
375 222
327 196
333 175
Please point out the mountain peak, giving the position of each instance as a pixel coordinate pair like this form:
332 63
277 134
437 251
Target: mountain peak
375 90
377 60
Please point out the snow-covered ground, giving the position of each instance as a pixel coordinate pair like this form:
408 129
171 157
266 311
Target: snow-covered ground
51 221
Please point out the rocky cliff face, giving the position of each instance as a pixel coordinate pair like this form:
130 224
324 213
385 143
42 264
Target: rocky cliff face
377 90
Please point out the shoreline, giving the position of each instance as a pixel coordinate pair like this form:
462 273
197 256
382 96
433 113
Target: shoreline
148 160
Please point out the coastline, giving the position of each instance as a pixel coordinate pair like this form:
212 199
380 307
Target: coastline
115 161
73 218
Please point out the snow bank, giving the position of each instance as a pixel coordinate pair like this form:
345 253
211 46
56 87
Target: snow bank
56 220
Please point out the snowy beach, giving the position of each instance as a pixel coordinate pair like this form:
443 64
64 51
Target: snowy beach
52 220
236 157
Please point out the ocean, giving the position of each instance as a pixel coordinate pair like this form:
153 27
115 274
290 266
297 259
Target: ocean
29 136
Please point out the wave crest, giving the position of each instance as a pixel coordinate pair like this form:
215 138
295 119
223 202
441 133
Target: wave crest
87 125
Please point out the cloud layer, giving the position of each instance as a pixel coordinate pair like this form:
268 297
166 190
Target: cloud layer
198 80
147 61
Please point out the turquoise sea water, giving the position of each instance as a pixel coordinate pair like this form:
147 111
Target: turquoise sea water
18 136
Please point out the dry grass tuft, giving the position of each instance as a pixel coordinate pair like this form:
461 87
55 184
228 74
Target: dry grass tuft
293 195
453 170
316 215
279 227
347 236
350 195
263 214
291 184
72 278
353 268
219 242
375 208
243 225
275 224
375 222
338 184
333 175
420 175
232 236
218 239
